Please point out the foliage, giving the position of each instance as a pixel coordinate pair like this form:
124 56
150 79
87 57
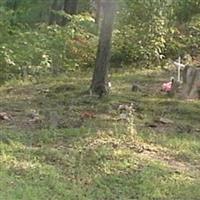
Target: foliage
184 39
184 10
59 142
142 32
46 49
147 32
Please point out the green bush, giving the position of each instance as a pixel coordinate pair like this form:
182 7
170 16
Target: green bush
142 32
31 52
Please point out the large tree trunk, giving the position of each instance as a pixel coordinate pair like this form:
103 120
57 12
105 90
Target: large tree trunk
12 4
191 82
53 18
70 7
98 12
99 81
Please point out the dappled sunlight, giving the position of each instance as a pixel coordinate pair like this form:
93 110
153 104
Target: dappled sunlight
99 100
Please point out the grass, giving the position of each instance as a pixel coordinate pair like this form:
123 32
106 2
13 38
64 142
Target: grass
68 155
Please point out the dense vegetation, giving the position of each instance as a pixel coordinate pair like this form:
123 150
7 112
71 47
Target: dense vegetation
33 42
59 142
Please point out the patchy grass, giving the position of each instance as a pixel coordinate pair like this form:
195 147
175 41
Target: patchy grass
60 143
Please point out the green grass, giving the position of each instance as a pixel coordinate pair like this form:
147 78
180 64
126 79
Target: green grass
67 156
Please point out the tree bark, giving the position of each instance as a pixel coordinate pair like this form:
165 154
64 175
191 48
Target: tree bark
98 12
12 4
70 7
54 7
100 75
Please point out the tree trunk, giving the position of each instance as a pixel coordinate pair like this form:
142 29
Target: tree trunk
98 12
52 17
12 4
70 7
99 81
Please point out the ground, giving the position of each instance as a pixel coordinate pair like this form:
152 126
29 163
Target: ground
58 142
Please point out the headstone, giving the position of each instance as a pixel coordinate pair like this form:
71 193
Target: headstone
191 82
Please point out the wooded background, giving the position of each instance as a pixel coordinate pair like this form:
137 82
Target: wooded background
52 36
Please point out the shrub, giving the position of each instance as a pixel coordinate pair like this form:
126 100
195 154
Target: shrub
28 51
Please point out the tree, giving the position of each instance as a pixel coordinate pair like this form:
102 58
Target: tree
98 11
12 4
70 7
54 7
100 75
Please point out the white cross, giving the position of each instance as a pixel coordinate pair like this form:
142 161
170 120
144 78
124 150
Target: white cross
179 65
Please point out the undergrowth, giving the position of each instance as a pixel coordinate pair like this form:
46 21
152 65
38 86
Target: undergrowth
80 147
